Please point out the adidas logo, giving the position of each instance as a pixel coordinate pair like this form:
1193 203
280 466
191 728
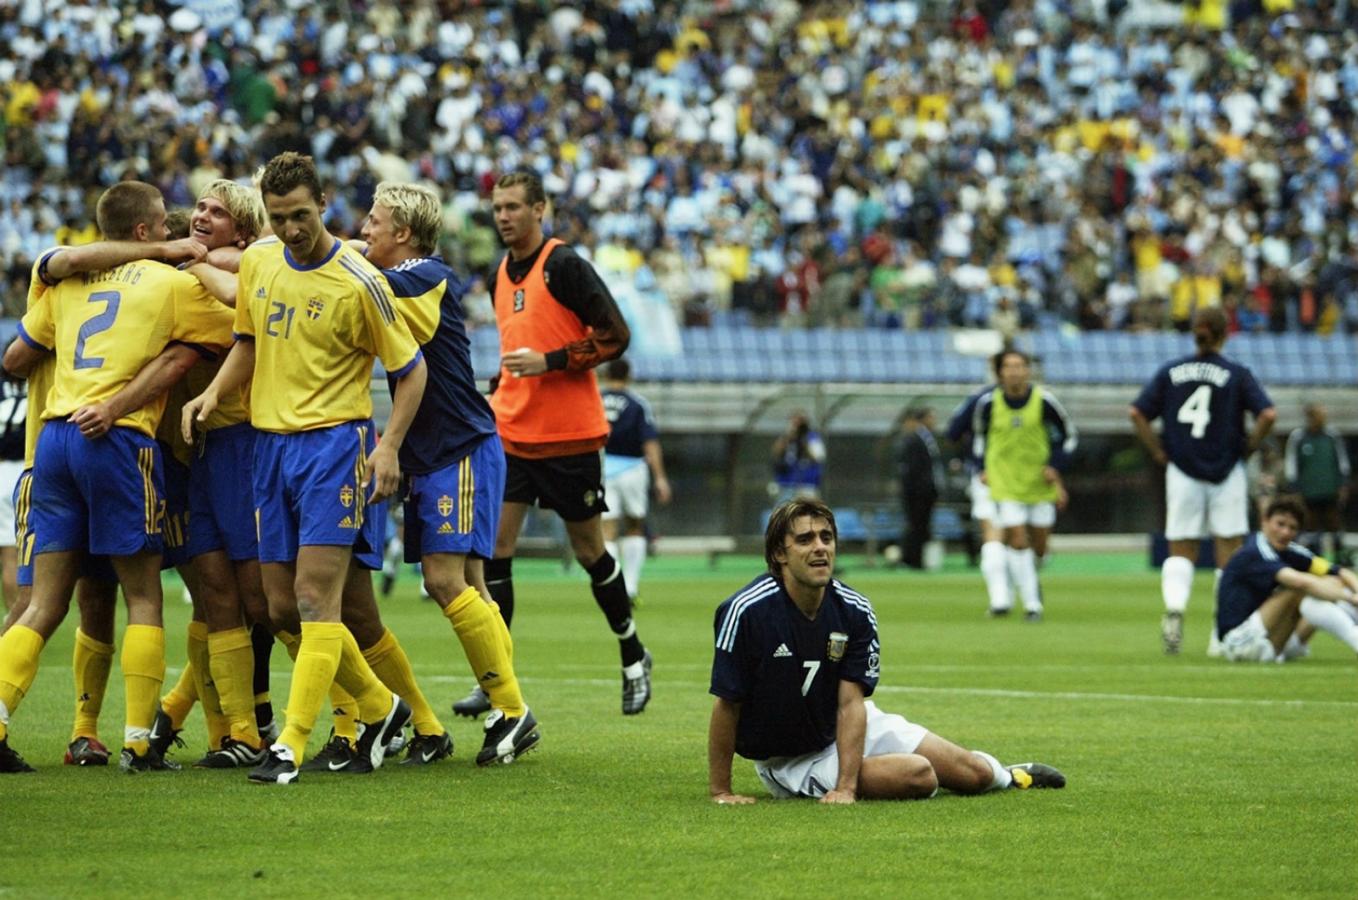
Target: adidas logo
781 651
490 676
347 522
446 528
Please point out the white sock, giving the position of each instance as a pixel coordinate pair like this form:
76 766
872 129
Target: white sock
635 670
1329 617
1176 583
1295 648
131 734
1023 569
633 557
996 575
1002 777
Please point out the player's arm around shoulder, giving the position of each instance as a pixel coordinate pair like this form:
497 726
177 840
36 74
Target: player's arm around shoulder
721 749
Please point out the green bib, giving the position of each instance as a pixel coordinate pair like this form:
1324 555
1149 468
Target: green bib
1017 448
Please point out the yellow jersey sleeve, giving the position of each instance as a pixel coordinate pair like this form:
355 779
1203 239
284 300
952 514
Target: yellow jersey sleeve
42 376
385 332
37 327
200 318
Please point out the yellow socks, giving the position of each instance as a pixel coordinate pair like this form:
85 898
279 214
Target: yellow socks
344 713
143 664
218 726
357 677
486 642
91 662
318 656
291 643
178 703
232 658
19 651
390 663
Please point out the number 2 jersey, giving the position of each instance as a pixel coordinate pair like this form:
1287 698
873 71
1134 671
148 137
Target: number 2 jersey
1202 401
784 669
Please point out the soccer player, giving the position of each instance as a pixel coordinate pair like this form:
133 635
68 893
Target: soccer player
453 462
994 555
557 322
102 497
1317 467
1271 583
311 317
633 464
1025 439
797 654
1201 401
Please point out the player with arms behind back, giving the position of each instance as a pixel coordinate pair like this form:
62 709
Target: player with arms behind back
1201 401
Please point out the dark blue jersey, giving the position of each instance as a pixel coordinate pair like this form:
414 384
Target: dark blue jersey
453 417
959 426
1202 401
13 418
1251 577
630 423
784 669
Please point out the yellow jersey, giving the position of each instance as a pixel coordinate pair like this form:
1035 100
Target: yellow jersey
105 326
232 407
317 330
41 376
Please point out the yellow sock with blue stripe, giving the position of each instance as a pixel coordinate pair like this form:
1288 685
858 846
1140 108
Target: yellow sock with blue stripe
344 714
143 663
91 662
318 656
200 660
232 657
19 651
390 663
357 677
490 651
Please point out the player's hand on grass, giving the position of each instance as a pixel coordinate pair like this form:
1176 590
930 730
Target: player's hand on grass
94 420
726 798
839 796
383 473
524 362
195 414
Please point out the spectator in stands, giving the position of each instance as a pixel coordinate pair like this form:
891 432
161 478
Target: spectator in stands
1317 468
798 459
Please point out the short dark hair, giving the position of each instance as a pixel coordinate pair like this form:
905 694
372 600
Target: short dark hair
533 191
618 369
288 171
1290 504
780 523
177 222
124 206
997 361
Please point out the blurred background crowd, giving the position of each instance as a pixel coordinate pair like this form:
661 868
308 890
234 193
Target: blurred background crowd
1099 164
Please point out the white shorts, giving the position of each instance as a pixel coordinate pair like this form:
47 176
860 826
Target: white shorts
982 507
815 774
1198 509
1248 642
1013 513
628 493
10 470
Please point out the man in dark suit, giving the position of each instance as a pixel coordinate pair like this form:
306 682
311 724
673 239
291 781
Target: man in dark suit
920 476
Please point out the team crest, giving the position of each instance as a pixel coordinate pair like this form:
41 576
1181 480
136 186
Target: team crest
445 506
838 642
314 307
590 497
518 300
346 496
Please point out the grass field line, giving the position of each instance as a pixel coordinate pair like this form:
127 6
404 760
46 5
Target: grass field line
1214 668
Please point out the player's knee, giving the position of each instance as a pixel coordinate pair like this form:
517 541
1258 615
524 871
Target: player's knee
444 587
976 775
918 778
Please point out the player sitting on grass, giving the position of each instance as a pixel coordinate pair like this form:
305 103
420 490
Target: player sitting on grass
797 654
1270 584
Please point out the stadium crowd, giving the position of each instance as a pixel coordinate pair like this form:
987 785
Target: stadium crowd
896 164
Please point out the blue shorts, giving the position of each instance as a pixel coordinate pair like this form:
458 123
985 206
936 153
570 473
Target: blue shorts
101 496
372 538
221 494
457 508
93 567
174 527
307 489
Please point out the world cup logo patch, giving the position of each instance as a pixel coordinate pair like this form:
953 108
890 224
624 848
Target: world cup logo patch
445 506
346 496
835 649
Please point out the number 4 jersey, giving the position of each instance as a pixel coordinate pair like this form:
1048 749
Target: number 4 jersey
1202 401
105 326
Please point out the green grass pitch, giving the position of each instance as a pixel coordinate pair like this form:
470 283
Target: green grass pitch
1188 777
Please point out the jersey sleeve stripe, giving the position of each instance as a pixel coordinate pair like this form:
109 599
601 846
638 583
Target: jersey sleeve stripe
202 351
858 601
405 370
28 339
726 635
242 337
375 290
1265 550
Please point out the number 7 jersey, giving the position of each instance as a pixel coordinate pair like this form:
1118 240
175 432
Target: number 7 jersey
1202 401
105 326
316 330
